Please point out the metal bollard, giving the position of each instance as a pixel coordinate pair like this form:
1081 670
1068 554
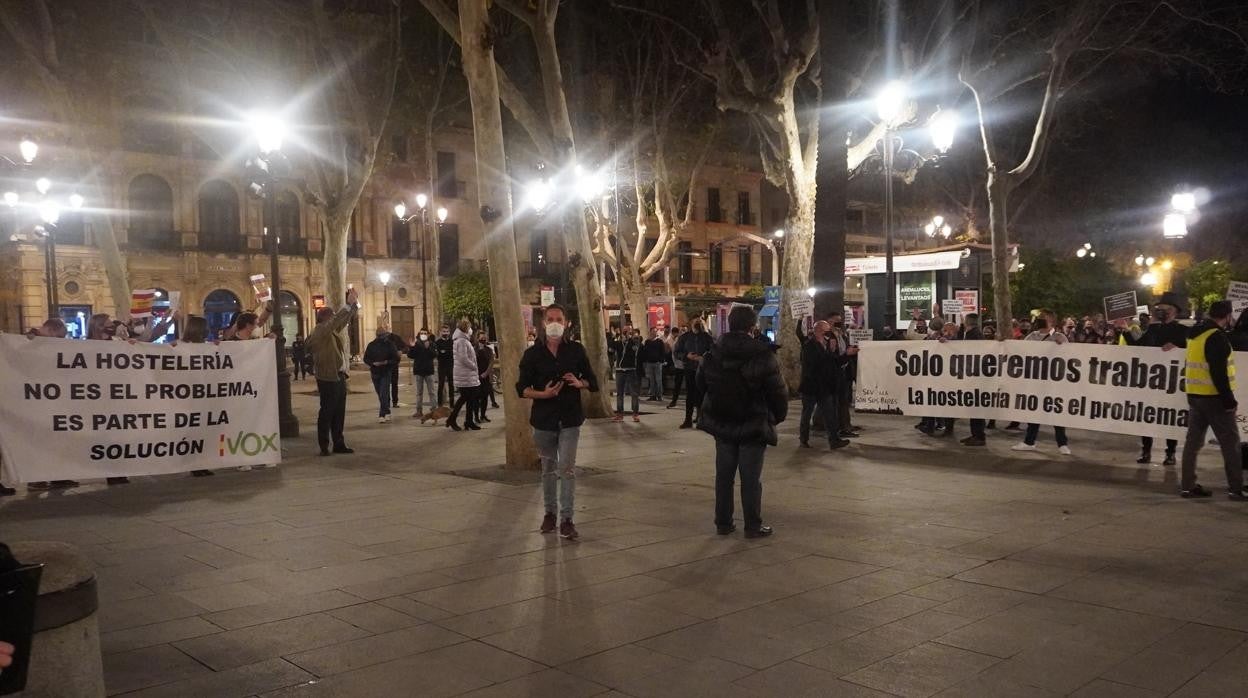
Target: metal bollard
65 658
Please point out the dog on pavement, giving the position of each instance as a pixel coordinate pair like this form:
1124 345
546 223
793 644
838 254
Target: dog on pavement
433 415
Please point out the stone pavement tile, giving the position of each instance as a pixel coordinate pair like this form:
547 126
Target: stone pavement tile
288 607
285 582
775 617
945 590
562 641
232 683
937 535
480 594
1101 688
834 598
1057 667
985 684
882 612
346 655
374 617
622 664
111 589
234 648
1123 631
383 533
146 610
501 618
806 573
853 653
984 603
416 675
939 563
795 680
149 666
1176 658
1004 634
155 634
414 608
1210 684
305 553
212 578
1085 557
225 596
729 642
705 678
922 671
1020 576
615 590
490 663
732 595
1227 615
550 682
1003 545
397 586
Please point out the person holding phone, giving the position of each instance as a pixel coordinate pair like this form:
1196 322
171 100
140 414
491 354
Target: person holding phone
553 372
330 364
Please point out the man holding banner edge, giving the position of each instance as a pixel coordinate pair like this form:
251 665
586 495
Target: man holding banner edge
1210 387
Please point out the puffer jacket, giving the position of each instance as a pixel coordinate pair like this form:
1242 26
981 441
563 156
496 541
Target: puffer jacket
465 371
744 397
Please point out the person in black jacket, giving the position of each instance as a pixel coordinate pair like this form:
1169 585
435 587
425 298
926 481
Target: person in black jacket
690 347
744 399
381 357
1165 332
1209 381
653 356
553 372
485 368
820 386
298 355
400 347
446 365
628 373
423 354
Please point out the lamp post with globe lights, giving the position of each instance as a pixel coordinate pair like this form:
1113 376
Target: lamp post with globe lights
541 194
421 212
264 170
384 277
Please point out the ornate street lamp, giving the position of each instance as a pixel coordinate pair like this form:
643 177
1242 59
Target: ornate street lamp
400 212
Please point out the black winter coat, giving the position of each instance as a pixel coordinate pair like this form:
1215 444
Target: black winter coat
423 355
744 397
821 370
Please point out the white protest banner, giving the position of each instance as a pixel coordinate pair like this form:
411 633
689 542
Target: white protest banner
859 336
1237 294
77 410
951 306
1121 389
802 307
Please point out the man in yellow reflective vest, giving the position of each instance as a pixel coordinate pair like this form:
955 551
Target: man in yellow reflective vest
1210 381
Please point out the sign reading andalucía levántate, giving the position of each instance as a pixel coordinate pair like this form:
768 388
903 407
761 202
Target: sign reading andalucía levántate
1123 389
73 410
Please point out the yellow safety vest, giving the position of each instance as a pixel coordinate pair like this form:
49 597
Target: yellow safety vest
1198 379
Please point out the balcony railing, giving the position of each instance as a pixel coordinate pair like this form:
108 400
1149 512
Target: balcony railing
747 218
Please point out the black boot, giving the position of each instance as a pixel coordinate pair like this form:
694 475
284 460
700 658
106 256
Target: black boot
1145 457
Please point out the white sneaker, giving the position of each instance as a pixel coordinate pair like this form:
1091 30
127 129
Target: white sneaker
1023 447
382 420
244 468
1064 450
398 404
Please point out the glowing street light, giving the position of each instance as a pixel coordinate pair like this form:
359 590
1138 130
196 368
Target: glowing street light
422 201
442 214
938 220
778 234
400 210
11 198
589 185
385 277
930 229
1139 260
811 291
944 125
43 184
1149 262
76 201
538 194
1148 278
1183 202
1174 225
49 212
890 101
1167 264
1087 245
385 295
268 130
1081 252
29 149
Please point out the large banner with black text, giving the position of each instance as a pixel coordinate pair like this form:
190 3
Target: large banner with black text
1122 389
75 410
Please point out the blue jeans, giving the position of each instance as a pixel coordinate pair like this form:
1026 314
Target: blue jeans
557 450
627 381
426 384
381 383
654 374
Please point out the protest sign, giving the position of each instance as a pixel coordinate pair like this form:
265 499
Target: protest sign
1112 388
857 337
262 289
1237 294
660 311
141 302
970 300
801 307
951 306
548 296
75 410
1120 306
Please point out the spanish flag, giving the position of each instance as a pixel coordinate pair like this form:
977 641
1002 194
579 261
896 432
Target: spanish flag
141 302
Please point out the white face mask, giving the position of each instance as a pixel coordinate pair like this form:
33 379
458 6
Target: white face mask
554 330
424 337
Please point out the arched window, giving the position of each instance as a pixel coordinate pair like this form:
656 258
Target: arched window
151 213
292 316
70 229
286 211
218 218
220 307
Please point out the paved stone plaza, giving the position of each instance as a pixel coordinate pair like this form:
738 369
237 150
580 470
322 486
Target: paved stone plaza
901 565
